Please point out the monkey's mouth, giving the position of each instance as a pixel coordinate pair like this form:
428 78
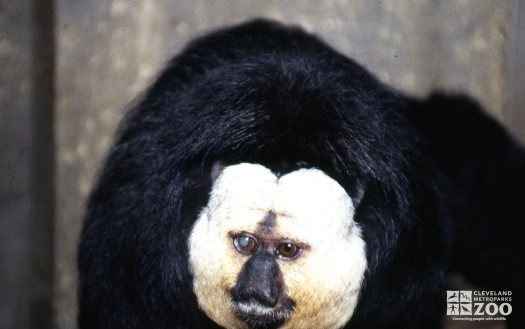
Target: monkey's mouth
258 316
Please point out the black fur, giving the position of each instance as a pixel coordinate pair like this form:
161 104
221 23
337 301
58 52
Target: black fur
437 183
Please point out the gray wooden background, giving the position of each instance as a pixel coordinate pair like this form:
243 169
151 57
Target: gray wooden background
70 69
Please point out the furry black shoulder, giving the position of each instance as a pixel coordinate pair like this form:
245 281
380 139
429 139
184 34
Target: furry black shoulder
267 181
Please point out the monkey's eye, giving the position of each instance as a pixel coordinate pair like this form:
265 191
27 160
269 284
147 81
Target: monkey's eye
245 243
288 250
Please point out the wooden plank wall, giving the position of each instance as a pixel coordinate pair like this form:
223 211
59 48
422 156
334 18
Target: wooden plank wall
70 70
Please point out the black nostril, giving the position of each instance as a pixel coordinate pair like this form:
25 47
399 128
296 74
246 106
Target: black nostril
260 281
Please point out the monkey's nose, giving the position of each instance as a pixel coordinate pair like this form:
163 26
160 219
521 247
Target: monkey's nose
260 281
266 296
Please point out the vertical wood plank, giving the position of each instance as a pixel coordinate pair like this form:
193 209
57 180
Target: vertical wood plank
515 115
42 165
15 170
26 164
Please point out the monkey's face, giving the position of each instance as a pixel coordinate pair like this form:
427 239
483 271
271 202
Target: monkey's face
277 252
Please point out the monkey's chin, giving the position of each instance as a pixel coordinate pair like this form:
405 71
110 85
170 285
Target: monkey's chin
258 316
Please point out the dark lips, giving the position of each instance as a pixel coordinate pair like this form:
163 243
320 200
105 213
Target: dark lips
258 316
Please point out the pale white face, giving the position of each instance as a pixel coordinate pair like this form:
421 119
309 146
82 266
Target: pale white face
311 209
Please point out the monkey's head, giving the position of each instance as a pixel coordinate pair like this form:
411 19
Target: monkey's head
274 251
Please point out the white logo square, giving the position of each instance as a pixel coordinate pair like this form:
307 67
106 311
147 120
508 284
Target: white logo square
465 309
465 296
452 296
452 309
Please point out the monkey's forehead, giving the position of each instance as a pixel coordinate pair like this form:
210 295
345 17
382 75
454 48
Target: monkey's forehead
299 198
